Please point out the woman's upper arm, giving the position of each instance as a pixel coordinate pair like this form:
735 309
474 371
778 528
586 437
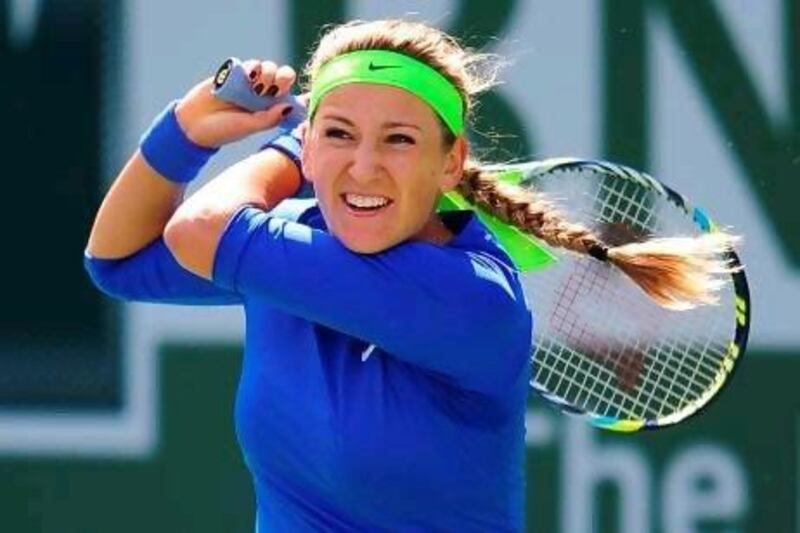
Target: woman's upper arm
453 312
153 275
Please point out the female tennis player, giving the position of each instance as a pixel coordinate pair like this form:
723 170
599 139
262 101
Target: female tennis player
385 371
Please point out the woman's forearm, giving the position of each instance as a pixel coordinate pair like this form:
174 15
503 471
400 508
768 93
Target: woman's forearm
194 231
179 142
134 211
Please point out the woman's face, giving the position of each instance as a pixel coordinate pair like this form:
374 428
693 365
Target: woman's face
378 162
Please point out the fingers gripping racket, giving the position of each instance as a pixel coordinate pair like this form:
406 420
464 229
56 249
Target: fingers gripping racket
232 85
601 348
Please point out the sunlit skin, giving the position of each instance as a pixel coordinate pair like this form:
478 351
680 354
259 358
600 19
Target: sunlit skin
382 142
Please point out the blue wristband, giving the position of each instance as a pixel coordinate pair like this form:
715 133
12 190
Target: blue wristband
287 143
170 152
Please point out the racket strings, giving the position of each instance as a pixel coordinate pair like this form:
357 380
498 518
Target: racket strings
578 382
619 359
666 376
603 346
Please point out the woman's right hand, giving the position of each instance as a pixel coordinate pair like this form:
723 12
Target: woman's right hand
211 122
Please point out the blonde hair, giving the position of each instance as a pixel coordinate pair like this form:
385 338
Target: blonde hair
677 273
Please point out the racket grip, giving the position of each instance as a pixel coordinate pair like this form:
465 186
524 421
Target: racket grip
232 85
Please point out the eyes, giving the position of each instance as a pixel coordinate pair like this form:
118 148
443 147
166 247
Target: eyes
400 138
336 133
393 138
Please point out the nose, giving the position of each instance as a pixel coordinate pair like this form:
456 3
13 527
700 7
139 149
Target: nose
366 164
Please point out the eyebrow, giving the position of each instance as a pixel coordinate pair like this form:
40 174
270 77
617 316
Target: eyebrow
393 124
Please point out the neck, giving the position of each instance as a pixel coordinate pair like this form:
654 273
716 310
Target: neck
435 231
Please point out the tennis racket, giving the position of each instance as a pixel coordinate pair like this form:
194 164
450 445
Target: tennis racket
601 348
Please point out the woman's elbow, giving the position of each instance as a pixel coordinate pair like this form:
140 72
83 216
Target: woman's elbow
104 276
189 239
176 236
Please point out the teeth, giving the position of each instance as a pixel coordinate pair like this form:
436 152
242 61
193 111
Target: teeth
365 201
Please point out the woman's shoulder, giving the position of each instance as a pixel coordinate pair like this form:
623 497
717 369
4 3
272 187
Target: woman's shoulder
302 210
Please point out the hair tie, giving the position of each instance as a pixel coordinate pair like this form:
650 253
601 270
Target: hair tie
598 251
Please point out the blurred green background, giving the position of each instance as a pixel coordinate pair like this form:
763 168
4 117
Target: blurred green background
118 417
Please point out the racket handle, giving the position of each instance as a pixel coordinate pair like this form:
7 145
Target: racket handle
232 85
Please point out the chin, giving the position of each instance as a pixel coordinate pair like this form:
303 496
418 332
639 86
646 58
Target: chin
360 245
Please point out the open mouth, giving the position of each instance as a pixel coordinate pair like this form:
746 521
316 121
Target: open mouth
360 203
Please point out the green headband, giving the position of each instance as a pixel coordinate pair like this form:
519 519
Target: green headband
383 67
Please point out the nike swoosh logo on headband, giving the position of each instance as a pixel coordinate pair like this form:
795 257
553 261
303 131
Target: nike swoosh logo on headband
381 67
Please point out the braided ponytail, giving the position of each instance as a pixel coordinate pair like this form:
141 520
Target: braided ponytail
677 273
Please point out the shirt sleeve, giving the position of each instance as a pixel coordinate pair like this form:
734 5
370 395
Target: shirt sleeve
153 275
456 313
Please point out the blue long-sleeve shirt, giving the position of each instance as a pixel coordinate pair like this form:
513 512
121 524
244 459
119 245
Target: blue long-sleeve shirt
379 392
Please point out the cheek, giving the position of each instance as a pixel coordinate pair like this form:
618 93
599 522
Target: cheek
427 190
424 182
317 161
319 168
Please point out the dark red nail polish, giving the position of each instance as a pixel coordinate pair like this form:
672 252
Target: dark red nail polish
253 74
258 88
272 91
286 111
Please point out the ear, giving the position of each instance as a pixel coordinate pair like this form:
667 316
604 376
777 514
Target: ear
305 154
454 164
